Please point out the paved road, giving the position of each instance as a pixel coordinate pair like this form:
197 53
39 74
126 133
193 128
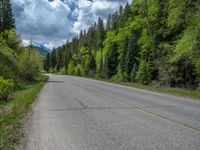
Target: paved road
74 113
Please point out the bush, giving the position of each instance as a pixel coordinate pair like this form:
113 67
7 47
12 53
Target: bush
19 86
78 70
30 65
6 87
70 70
13 40
62 71
143 75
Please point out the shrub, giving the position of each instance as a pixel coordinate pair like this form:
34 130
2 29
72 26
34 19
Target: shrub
13 40
62 71
70 68
78 70
6 87
30 65
143 75
20 86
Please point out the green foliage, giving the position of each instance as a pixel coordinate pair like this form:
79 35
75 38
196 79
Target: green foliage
70 67
146 42
20 86
7 21
62 71
6 87
112 59
13 40
131 59
101 33
92 66
176 13
11 119
85 58
8 60
143 75
17 62
133 73
99 63
47 62
30 64
78 70
123 62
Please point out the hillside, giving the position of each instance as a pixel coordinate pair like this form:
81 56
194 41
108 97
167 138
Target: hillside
8 59
146 42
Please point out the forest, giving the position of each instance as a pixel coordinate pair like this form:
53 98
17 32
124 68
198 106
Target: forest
154 42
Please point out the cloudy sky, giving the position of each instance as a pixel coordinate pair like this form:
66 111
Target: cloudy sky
52 22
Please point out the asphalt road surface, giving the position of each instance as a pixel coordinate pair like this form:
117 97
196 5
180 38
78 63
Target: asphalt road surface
75 113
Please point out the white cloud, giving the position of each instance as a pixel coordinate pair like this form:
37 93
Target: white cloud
25 42
42 20
56 21
85 15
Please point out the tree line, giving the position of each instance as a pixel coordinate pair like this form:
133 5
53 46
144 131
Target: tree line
147 41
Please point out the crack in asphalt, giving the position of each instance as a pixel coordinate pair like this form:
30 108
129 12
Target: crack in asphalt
89 108
56 81
80 102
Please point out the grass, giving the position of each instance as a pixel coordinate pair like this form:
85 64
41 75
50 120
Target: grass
194 94
12 114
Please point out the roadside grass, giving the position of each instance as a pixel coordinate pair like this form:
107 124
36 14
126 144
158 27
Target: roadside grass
194 94
13 112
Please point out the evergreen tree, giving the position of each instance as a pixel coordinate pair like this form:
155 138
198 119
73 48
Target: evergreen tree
131 58
114 24
126 14
100 70
92 66
124 58
100 33
7 20
47 62
143 75
1 15
53 59
109 22
112 60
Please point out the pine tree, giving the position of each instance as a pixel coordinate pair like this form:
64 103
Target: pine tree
112 60
100 33
131 58
53 58
47 62
115 18
143 75
7 20
126 14
92 66
100 70
1 15
109 22
124 58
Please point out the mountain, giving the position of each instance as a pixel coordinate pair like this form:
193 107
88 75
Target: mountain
42 49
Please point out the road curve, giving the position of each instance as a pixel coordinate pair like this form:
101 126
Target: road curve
74 113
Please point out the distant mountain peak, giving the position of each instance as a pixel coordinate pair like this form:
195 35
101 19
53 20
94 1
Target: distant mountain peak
42 49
